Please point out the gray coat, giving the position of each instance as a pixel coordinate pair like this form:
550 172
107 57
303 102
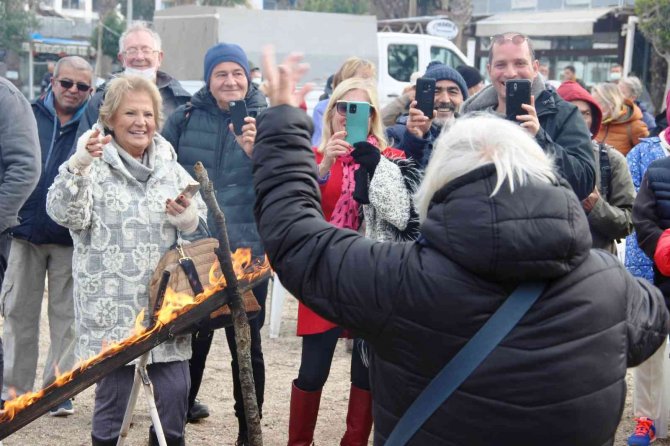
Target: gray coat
120 231
20 162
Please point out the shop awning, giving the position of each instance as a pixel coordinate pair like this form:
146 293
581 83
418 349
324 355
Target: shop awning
554 23
62 47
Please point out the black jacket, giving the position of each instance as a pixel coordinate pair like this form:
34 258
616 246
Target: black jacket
418 149
199 132
563 133
559 376
651 214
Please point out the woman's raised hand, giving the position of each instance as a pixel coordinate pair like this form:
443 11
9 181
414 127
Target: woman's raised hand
282 79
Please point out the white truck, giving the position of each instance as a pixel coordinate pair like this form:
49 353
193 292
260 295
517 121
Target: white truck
325 39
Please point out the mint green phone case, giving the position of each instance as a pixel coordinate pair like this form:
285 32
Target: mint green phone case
357 122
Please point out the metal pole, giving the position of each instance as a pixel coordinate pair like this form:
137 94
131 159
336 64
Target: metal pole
630 41
129 14
31 74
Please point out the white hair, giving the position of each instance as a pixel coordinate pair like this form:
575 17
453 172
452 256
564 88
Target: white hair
137 28
478 139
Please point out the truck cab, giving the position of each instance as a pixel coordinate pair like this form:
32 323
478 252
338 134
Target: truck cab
401 54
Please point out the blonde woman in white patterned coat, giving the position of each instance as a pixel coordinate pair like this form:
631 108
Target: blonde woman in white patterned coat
117 195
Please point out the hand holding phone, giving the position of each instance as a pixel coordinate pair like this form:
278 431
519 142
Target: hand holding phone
189 191
425 96
517 93
238 111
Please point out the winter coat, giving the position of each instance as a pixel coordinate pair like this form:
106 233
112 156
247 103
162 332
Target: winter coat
120 231
624 132
55 141
417 303
20 163
171 91
199 132
563 133
651 214
638 160
388 217
418 149
398 107
610 218
317 118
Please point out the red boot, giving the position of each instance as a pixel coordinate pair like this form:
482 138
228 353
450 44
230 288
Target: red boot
302 420
359 418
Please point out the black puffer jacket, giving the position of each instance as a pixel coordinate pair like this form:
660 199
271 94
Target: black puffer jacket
557 379
199 132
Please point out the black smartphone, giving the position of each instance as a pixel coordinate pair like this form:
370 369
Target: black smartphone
238 111
425 96
517 92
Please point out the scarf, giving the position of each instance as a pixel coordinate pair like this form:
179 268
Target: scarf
345 213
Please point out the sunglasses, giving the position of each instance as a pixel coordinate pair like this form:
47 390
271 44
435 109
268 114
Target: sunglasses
342 106
68 84
516 39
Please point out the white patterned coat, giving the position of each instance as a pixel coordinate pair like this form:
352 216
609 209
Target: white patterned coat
120 231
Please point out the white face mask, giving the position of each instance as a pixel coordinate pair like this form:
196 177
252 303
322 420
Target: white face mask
147 73
615 76
257 80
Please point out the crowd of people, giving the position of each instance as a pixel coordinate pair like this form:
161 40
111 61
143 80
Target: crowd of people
405 240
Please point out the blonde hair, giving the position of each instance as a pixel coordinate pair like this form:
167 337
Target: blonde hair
610 99
475 140
351 67
376 126
119 87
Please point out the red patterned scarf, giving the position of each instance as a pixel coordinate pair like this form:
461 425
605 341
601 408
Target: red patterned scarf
345 213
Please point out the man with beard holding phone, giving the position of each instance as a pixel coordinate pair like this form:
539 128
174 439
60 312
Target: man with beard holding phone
416 132
556 124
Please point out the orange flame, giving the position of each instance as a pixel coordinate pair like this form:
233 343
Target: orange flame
174 305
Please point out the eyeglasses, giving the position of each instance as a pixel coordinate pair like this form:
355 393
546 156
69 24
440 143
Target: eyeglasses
67 84
145 50
341 107
516 39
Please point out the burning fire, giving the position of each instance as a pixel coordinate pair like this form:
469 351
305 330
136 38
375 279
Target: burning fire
174 305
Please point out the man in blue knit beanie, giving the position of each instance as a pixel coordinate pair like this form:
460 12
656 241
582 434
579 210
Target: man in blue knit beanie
415 133
202 131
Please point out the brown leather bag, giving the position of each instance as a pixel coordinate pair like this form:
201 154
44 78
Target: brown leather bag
201 253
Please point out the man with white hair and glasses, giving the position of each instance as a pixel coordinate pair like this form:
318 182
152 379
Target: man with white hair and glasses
140 54
556 125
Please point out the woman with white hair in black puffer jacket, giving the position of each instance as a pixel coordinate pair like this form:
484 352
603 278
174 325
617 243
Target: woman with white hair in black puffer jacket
494 215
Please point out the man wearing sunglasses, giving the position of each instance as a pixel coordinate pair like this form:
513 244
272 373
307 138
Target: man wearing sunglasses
140 54
40 246
556 124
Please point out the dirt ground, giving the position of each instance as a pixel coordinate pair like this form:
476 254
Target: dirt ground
282 358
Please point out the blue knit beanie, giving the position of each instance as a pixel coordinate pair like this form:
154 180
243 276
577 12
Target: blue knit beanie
440 72
225 52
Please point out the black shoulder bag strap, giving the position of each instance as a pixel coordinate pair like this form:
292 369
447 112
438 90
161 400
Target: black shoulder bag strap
465 362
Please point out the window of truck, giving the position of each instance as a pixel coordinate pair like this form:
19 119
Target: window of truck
446 56
403 60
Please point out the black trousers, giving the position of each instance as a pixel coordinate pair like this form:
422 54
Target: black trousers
317 357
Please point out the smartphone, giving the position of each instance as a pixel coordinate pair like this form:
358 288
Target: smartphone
238 111
357 122
517 92
425 96
189 191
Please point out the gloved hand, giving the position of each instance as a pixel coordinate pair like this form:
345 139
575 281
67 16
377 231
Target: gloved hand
89 147
367 156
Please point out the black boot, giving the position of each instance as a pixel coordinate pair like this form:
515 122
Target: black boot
111 442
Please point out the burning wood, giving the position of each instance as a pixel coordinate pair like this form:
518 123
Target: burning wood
178 313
